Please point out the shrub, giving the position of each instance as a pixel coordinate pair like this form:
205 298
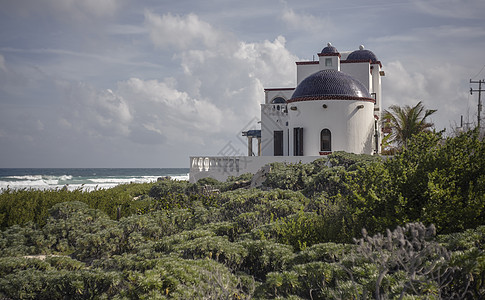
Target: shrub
407 252
165 188
300 230
264 257
70 222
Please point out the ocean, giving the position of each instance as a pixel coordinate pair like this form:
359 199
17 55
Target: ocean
86 179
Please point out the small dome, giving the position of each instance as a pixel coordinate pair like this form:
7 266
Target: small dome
330 84
363 54
278 100
329 49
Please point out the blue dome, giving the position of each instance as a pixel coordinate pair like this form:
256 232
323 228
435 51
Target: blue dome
329 49
363 54
330 84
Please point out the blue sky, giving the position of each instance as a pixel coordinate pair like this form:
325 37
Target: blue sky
107 83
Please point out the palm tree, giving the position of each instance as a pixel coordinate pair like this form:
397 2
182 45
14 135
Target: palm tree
404 122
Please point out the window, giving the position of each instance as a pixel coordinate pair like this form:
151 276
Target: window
298 141
325 140
279 100
328 62
278 142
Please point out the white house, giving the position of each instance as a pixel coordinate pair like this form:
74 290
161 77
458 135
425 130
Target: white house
335 106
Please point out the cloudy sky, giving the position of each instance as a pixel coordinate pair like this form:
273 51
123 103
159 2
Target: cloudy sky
125 83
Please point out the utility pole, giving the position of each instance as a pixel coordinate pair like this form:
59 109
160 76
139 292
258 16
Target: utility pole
479 96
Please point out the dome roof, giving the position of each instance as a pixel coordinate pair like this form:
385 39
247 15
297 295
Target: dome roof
363 54
329 49
330 84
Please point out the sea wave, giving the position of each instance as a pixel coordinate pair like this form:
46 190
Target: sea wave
39 177
45 182
25 177
141 179
28 184
180 177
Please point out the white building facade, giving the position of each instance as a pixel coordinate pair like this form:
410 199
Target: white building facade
335 106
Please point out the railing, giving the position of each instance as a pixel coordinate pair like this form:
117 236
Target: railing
221 167
206 164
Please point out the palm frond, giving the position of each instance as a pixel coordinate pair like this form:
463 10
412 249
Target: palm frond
406 121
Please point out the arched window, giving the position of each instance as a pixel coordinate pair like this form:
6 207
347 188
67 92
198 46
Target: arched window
325 140
278 100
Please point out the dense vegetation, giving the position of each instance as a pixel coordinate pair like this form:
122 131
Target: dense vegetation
346 226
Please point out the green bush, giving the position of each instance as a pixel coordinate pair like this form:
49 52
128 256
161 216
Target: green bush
24 240
323 252
29 205
264 257
301 230
291 239
164 188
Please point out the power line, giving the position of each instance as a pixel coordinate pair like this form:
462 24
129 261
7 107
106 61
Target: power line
479 72
479 96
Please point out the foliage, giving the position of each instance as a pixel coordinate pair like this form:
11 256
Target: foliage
406 122
432 181
420 264
301 230
31 205
322 175
298 237
164 188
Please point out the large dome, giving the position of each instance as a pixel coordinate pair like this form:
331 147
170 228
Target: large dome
330 84
362 55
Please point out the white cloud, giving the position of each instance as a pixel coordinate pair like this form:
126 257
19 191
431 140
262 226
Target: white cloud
466 9
64 9
233 75
94 7
218 93
124 29
64 124
95 113
159 107
180 31
21 125
222 77
146 112
3 67
186 74
436 86
306 22
443 35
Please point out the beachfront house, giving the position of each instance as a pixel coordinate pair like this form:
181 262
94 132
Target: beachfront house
335 106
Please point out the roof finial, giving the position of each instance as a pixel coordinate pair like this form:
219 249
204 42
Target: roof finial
361 47
329 44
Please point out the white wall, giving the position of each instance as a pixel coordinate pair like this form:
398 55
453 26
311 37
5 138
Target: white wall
352 128
273 119
376 84
359 71
335 62
305 70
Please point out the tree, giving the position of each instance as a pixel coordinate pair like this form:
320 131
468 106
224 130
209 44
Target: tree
404 122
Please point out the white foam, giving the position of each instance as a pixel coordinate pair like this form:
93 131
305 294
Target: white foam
63 177
25 184
66 181
43 185
89 187
141 179
25 177
180 177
